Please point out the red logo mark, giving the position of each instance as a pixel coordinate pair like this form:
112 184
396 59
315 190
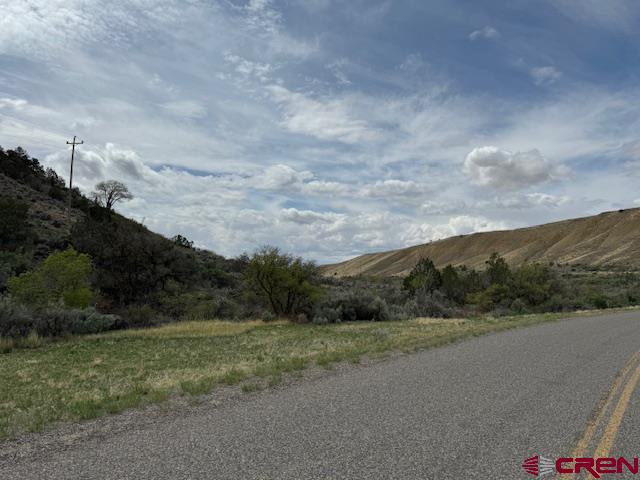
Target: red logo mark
538 466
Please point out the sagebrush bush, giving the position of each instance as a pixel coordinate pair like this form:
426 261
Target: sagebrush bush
432 304
19 321
91 321
320 320
352 307
16 321
139 316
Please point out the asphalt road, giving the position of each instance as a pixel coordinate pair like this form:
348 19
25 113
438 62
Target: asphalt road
471 410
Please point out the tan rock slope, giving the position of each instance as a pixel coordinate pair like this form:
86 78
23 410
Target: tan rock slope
607 239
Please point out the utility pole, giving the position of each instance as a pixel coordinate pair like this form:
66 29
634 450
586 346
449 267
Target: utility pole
73 144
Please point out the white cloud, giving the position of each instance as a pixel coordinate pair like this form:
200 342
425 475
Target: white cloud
323 187
325 119
491 167
394 188
165 91
281 177
307 217
185 109
262 18
43 28
440 207
619 15
315 6
337 68
248 68
530 200
485 32
545 75
459 225
94 165
13 103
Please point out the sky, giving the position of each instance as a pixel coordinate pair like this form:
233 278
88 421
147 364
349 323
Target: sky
331 128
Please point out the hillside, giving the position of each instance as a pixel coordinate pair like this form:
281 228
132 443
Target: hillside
126 256
48 217
607 239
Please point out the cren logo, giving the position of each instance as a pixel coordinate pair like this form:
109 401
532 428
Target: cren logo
596 467
538 466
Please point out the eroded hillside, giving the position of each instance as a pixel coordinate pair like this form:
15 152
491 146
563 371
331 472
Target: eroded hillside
610 238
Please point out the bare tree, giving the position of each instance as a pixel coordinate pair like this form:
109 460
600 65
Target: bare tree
110 192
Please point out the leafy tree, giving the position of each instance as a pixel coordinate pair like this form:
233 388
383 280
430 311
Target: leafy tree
110 192
14 226
471 279
132 263
424 276
453 285
286 282
534 284
498 271
495 295
63 277
18 165
53 178
181 241
12 264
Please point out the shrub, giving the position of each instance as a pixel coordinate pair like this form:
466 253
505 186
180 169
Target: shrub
424 276
55 322
12 264
491 298
15 230
287 283
93 322
20 321
63 277
399 312
15 320
320 320
138 316
328 314
498 271
380 310
353 306
600 302
132 264
518 306
431 304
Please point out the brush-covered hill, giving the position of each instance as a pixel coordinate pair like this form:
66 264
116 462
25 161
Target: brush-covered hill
607 239
127 257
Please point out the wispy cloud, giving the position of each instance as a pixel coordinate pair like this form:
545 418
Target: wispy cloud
545 75
488 33
329 128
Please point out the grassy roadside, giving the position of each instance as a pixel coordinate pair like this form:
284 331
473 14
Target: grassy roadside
89 376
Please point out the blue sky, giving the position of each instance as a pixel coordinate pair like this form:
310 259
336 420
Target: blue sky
331 128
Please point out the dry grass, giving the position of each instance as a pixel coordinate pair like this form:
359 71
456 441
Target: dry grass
196 329
84 377
611 238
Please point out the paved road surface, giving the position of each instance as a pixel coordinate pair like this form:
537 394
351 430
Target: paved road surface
473 410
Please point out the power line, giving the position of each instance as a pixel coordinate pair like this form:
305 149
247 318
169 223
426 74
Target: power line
73 144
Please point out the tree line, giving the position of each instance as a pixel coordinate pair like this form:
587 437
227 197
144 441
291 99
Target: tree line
107 271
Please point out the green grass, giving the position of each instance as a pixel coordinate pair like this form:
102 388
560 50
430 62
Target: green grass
85 377
250 387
